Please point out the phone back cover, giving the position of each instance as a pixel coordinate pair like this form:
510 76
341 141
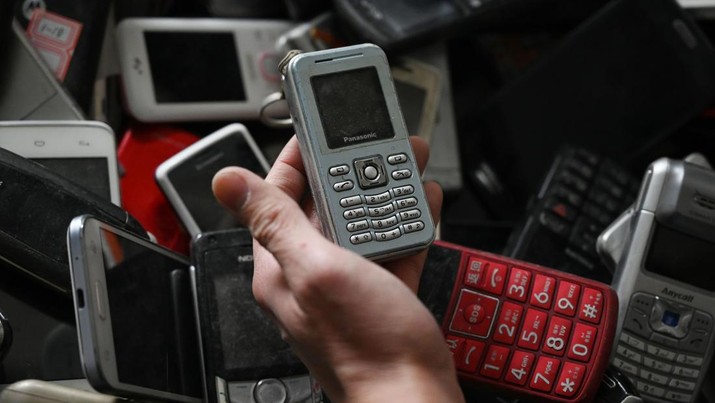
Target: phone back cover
617 84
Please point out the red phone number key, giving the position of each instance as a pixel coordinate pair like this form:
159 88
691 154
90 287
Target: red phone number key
582 342
533 329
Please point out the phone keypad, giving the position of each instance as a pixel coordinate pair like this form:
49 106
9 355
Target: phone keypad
538 330
391 213
662 347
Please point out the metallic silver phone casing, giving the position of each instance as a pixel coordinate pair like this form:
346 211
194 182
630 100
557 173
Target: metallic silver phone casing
649 352
318 158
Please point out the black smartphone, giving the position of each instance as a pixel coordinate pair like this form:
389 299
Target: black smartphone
244 357
617 84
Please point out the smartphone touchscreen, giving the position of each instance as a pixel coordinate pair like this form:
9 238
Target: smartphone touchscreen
138 332
186 177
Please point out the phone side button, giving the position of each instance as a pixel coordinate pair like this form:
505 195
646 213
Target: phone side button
98 300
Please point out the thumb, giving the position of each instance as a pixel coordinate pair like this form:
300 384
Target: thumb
275 220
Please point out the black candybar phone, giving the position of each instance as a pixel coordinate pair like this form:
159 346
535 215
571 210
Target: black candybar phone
244 357
581 194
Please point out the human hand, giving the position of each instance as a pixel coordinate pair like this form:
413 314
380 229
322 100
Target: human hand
359 327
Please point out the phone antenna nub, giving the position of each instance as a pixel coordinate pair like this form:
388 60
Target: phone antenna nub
284 62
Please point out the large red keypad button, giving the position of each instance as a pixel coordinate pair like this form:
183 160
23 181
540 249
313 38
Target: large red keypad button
494 279
532 329
582 341
591 305
470 356
567 298
518 285
494 362
557 335
474 314
570 380
544 374
508 322
543 292
519 367
476 267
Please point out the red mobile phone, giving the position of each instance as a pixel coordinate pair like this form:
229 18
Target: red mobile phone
528 330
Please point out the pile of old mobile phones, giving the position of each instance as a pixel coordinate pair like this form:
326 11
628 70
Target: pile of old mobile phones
185 178
520 329
231 68
244 357
662 249
355 148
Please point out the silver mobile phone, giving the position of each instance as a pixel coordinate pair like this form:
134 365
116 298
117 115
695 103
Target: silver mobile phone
135 318
355 147
663 248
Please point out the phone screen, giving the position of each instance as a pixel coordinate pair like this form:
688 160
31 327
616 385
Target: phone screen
153 325
681 257
192 180
90 173
352 107
241 343
189 67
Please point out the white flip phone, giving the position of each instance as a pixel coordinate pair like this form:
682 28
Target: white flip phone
355 148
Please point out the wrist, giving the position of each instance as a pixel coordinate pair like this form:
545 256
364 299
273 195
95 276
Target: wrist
409 382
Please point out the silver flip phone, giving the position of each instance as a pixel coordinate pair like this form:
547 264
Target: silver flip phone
663 249
357 156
